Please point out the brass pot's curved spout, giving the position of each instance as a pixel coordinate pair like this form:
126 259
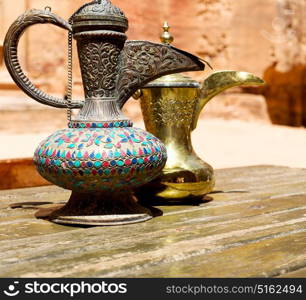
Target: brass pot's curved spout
220 81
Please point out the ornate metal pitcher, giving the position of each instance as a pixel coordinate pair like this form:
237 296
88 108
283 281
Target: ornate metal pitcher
100 157
171 107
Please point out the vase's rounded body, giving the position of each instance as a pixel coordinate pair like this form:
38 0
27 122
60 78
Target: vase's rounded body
100 159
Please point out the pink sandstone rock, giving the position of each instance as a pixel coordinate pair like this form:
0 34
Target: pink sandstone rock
266 37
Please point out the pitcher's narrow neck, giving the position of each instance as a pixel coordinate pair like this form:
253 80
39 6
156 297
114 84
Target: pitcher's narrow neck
101 111
99 54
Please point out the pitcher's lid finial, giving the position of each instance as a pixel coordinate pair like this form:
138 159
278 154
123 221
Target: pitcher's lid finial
99 14
166 37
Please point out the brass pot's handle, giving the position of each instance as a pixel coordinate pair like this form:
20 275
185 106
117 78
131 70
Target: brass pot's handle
10 47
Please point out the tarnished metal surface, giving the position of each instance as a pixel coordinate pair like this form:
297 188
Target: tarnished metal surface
113 220
11 42
99 209
100 156
145 61
254 227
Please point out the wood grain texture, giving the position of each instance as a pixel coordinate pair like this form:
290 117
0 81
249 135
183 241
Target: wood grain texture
300 273
255 226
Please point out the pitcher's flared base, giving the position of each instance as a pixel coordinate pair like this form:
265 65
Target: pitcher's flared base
91 209
111 220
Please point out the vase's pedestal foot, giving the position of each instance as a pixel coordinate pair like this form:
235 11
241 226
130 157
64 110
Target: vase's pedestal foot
111 220
93 209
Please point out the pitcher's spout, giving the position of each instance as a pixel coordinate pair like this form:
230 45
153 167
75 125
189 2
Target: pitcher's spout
220 81
143 61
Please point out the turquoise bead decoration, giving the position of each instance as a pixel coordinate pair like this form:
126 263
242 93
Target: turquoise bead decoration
88 168
101 157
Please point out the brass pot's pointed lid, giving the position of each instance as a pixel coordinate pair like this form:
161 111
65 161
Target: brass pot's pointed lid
173 80
101 12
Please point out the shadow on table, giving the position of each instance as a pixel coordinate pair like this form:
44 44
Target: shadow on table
188 201
154 205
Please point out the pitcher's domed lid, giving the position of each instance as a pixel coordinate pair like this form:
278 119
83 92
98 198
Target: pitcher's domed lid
173 80
100 12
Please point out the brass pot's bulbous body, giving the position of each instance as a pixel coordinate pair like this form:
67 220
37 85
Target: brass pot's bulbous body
169 114
171 107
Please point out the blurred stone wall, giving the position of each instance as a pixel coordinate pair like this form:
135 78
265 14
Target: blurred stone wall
266 37
286 75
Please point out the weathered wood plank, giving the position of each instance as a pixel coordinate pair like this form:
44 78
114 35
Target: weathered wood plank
300 273
245 231
268 257
104 246
27 225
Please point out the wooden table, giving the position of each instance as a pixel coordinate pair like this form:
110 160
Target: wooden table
255 226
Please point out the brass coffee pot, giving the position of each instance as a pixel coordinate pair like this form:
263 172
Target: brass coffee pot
171 107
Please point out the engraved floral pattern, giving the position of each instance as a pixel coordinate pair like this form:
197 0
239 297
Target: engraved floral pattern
99 68
99 7
144 61
170 112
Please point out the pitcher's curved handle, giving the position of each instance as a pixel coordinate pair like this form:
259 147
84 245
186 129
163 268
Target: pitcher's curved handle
10 47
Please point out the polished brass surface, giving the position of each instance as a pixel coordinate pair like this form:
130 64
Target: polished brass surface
169 113
173 80
171 107
220 81
166 37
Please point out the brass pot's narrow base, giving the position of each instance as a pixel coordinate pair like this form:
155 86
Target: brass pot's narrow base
182 186
159 193
92 209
